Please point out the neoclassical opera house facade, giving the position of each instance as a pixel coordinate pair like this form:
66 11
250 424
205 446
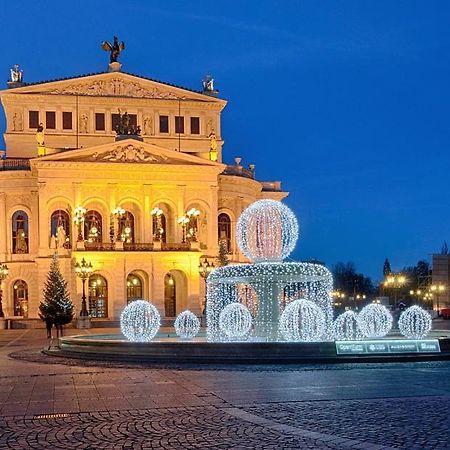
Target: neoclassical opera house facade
145 206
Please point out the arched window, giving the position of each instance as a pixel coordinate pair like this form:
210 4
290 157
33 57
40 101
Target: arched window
20 293
134 287
20 232
98 296
224 229
126 227
60 228
170 296
93 226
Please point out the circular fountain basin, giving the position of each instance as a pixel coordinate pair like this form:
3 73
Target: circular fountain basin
168 348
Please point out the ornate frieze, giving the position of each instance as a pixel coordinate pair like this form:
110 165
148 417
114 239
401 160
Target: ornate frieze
115 87
130 153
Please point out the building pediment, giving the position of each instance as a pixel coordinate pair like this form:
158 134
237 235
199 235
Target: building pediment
114 84
127 151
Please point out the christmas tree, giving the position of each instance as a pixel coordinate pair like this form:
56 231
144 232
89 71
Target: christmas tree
56 308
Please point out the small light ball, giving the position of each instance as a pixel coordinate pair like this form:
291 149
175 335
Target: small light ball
187 325
302 321
267 231
375 321
414 322
235 321
140 321
346 327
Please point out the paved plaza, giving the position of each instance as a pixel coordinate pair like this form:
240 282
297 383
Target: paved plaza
57 403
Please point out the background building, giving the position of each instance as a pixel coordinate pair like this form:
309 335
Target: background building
116 200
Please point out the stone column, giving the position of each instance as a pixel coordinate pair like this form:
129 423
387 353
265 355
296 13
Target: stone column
3 230
147 218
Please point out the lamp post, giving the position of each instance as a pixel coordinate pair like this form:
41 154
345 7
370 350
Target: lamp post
183 221
192 216
78 218
83 271
416 293
205 267
395 282
3 274
438 289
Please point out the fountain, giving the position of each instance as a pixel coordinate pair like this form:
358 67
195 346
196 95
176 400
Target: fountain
267 310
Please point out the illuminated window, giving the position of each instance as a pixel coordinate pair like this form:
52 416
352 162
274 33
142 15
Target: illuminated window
98 296
60 227
20 294
224 229
93 226
20 232
126 227
134 287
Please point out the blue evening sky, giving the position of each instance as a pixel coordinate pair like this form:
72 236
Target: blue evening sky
346 102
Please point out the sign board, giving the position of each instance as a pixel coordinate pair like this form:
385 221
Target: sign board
387 346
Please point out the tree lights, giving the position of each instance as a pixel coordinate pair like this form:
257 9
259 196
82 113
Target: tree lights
302 321
235 321
375 321
140 321
187 325
414 323
267 231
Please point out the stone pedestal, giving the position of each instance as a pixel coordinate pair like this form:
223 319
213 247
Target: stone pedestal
2 323
83 322
156 245
195 245
80 245
119 245
114 67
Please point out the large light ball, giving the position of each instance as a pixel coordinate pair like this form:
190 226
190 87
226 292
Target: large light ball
267 231
235 321
414 323
346 327
375 321
140 321
302 321
187 325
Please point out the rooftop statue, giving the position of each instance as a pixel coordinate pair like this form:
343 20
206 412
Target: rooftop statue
115 48
16 74
208 84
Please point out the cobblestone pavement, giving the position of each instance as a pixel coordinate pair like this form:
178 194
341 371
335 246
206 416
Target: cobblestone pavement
47 403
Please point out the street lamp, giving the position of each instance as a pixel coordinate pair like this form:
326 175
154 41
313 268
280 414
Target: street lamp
83 271
183 221
192 216
395 282
438 289
3 274
78 218
205 267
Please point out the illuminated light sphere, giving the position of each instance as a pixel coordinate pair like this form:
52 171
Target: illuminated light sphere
302 321
346 327
267 231
187 325
375 321
235 321
414 323
140 321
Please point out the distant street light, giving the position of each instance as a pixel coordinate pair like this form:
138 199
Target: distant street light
395 282
438 289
